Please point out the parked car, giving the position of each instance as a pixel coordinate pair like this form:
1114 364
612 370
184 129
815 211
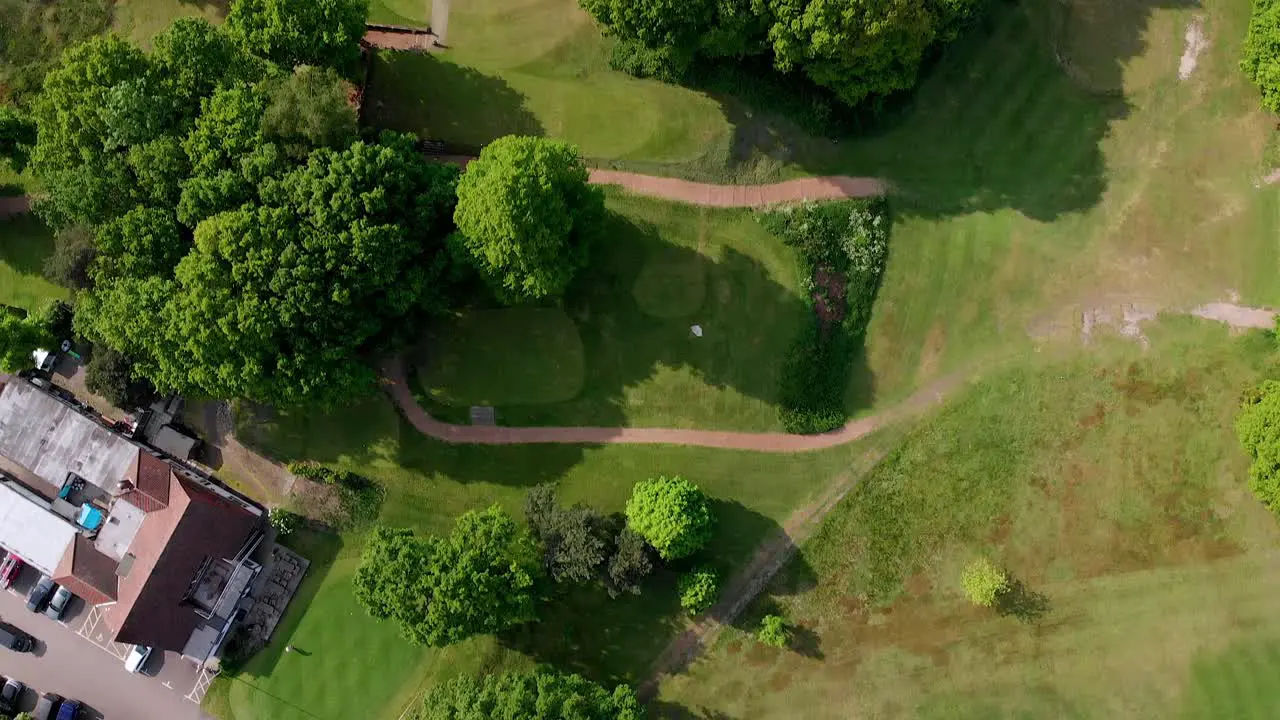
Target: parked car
39 595
14 639
137 659
45 706
9 569
58 605
10 694
70 710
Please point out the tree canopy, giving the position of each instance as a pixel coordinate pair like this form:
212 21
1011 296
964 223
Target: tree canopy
1258 427
479 579
529 696
17 135
19 337
672 514
581 545
1260 58
526 216
300 32
310 108
855 48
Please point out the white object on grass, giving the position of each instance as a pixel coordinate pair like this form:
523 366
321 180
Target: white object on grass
697 330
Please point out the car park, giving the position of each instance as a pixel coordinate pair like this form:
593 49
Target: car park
9 569
14 639
69 710
39 595
10 695
58 605
137 659
46 706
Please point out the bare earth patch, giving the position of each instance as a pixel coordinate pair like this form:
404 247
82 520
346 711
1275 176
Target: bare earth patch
1196 42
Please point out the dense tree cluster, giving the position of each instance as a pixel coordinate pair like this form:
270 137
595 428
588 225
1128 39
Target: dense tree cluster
1258 427
111 375
582 545
1260 58
529 696
479 579
672 514
19 337
856 48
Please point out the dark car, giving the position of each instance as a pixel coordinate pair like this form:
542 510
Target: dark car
45 706
39 595
14 639
70 710
10 694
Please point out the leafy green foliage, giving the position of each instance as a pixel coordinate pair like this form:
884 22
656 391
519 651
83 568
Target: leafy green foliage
672 514
73 254
111 375
442 590
57 317
629 565
194 57
141 243
774 631
575 540
853 49
526 216
1258 427
843 247
17 135
229 127
308 109
698 589
983 582
1260 58
300 32
19 337
528 696
283 521
34 34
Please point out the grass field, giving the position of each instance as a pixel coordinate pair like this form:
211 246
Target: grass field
24 244
621 351
141 20
1108 481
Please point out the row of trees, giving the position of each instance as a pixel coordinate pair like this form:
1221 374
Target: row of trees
229 232
853 49
485 575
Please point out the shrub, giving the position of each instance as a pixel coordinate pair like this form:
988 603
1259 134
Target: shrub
635 58
111 375
73 253
698 590
672 514
1260 58
58 318
285 522
774 631
983 582
311 470
1258 428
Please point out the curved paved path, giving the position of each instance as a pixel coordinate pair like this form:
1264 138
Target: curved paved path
397 386
816 188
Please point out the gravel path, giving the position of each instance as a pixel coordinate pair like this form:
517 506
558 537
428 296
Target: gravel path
817 188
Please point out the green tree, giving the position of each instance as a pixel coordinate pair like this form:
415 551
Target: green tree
111 375
310 108
983 582
300 32
629 564
479 579
528 696
774 631
141 243
698 589
73 253
19 337
229 127
1260 58
17 136
672 514
575 540
194 57
159 166
526 216
1258 428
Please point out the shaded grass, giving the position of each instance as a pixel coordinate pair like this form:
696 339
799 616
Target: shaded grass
24 244
141 20
1108 481
659 269
415 13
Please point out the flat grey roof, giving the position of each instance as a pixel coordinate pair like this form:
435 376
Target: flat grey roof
50 439
119 529
32 531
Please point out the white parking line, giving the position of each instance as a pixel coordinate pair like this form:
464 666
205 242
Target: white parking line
203 680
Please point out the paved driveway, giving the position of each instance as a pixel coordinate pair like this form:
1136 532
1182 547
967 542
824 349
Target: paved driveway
70 665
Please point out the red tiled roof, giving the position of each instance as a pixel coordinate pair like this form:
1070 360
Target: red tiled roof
150 477
169 549
87 572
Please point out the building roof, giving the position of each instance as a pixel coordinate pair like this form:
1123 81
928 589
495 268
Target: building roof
149 476
169 550
177 444
32 530
50 439
87 572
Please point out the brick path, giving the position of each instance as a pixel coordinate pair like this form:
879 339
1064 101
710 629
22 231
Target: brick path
397 386
815 188
411 41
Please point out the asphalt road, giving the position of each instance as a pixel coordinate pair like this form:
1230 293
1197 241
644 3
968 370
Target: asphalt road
65 663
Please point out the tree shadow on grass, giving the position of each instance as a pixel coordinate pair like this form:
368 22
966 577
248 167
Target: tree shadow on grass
25 243
424 94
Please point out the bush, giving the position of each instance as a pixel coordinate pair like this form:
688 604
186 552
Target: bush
698 590
73 253
983 582
774 632
58 319
1260 58
111 375
672 514
284 522
634 58
1258 428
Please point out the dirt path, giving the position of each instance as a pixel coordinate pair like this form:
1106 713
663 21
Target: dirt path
818 188
397 386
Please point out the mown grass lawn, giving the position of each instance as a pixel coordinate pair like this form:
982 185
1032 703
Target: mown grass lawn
24 244
1108 480
621 350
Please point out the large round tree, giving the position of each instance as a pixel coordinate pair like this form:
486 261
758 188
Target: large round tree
672 514
526 216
